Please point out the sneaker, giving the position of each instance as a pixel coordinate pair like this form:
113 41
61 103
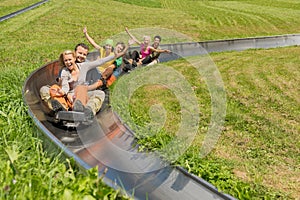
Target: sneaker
56 105
78 106
88 113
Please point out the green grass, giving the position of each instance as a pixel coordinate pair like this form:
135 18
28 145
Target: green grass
262 119
7 7
207 20
257 155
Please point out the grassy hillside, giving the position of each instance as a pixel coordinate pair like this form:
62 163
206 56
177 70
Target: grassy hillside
7 7
262 129
257 154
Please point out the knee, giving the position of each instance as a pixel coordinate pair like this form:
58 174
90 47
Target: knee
45 93
100 94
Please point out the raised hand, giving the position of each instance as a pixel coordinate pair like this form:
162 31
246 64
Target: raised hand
84 30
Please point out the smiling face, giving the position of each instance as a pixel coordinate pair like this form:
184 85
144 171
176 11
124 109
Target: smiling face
81 54
120 47
156 42
108 45
67 58
108 48
147 40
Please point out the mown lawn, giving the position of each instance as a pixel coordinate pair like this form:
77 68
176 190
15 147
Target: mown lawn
257 154
7 7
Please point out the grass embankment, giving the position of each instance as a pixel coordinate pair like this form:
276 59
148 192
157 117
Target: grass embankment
262 130
257 155
7 7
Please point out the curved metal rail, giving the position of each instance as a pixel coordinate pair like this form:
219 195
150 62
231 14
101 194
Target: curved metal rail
92 145
240 44
5 17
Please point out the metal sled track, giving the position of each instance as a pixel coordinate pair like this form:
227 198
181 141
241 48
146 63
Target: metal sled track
13 14
99 144
265 42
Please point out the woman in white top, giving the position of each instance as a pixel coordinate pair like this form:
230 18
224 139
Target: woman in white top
73 82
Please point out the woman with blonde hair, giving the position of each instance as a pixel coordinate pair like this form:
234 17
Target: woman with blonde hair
73 85
145 50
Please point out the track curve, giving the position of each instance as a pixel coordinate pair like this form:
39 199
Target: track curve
108 130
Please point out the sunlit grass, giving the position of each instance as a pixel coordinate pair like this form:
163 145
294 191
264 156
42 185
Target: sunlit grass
7 7
260 140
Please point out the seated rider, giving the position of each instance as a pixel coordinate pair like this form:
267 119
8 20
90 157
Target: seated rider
111 73
72 84
96 74
104 51
153 57
111 70
81 52
145 50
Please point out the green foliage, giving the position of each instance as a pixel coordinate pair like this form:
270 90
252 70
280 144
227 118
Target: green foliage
219 173
7 7
149 3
